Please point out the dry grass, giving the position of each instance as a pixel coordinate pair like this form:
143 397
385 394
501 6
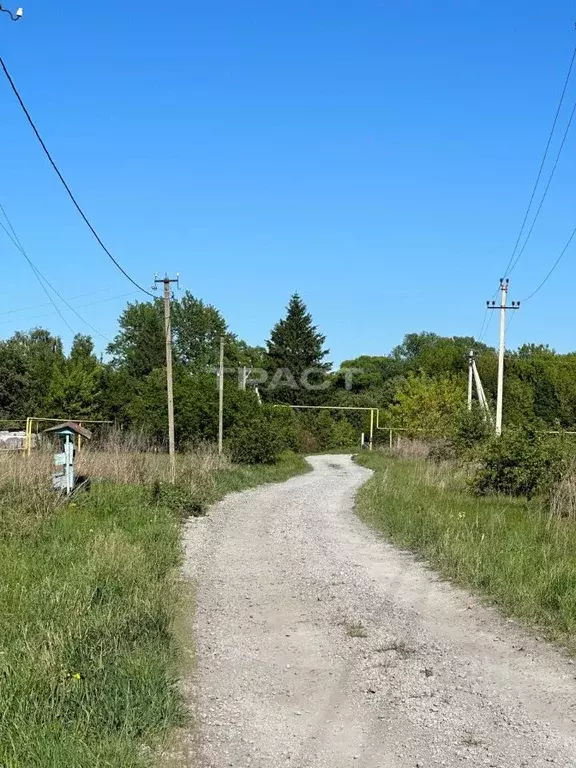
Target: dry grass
410 448
114 462
563 497
18 470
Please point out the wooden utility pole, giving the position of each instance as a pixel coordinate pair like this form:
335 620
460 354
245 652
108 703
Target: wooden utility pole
502 347
221 398
168 333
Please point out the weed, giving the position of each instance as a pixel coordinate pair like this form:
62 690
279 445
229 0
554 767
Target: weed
398 646
356 629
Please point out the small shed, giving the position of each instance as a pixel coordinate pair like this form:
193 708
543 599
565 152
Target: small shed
64 479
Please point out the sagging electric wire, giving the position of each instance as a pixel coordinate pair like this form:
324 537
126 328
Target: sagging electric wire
43 280
553 171
542 162
64 182
553 267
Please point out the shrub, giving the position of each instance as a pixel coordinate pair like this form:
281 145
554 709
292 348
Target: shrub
285 423
182 502
324 430
470 431
519 463
343 434
255 439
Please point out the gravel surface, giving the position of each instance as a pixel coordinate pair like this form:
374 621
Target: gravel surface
321 646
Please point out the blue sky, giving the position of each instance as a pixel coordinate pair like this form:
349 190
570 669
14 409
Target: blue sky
376 156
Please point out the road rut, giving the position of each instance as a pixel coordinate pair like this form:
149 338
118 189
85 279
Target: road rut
321 646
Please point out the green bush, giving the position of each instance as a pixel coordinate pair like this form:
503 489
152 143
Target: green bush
344 435
183 502
519 463
470 431
254 438
285 423
324 429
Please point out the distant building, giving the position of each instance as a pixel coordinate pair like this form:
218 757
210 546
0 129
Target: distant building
12 439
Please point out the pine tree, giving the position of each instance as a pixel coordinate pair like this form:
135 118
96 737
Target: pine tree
295 358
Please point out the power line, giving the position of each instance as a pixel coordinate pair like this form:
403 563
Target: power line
553 267
43 280
80 306
553 171
542 163
40 278
45 304
64 183
486 327
481 334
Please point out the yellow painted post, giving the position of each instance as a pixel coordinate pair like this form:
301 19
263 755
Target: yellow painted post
371 428
79 438
28 438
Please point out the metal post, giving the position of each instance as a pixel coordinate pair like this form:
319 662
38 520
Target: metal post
221 398
470 377
371 429
28 439
391 440
69 464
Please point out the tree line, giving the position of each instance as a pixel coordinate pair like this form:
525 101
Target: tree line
419 385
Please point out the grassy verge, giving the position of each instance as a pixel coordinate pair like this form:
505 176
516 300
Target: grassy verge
88 598
507 550
243 477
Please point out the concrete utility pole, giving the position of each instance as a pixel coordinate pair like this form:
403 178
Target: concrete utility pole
221 398
168 333
504 283
481 394
470 378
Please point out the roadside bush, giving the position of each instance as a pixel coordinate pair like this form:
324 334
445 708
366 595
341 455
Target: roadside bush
343 434
324 429
254 439
441 451
470 431
519 463
182 502
285 424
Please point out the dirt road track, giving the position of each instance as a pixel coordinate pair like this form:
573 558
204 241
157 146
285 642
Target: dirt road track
321 646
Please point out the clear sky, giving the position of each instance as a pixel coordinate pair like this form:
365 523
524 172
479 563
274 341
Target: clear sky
374 155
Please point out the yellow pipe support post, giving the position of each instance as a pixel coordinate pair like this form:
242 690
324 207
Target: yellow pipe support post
371 428
28 438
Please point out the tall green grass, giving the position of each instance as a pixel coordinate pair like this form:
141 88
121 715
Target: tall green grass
508 550
89 593
87 659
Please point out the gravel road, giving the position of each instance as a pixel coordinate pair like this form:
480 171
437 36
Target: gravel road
321 646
